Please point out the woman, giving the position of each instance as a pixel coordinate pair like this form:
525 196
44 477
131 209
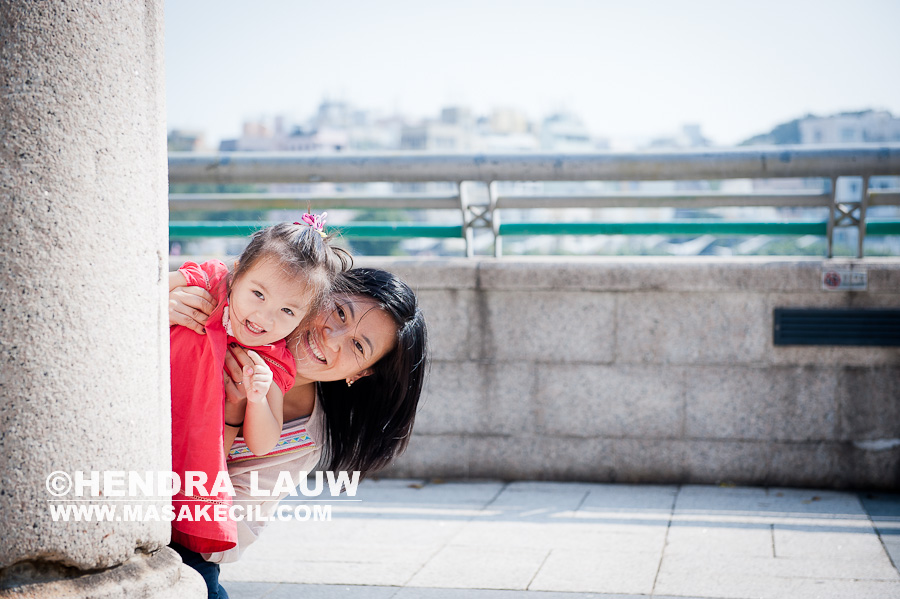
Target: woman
360 370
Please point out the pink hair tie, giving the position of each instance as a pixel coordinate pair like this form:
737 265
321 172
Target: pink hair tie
316 221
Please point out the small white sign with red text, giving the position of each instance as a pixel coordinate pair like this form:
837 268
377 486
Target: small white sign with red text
844 279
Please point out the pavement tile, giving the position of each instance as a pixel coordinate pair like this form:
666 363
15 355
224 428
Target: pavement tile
419 533
492 540
249 590
790 542
282 539
480 568
558 489
833 504
798 509
550 535
362 552
699 540
729 576
892 547
423 492
518 501
630 498
709 499
388 572
395 511
280 536
597 571
426 593
258 590
328 591
627 509
349 553
861 568
864 568
884 510
845 589
726 585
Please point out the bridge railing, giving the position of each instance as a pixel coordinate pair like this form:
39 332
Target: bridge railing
483 211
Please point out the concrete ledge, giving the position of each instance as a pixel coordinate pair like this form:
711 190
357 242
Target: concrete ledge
650 370
636 273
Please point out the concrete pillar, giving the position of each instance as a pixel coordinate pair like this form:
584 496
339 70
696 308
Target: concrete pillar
83 335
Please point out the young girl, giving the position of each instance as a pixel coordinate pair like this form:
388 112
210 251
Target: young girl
284 274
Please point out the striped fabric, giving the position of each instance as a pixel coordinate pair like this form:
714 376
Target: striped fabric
294 437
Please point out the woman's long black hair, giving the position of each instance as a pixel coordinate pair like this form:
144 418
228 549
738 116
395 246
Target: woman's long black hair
369 424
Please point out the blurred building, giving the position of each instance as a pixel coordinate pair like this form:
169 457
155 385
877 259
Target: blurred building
509 121
258 137
565 132
868 126
338 126
181 140
435 136
454 131
690 136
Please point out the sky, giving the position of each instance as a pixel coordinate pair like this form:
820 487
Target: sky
631 69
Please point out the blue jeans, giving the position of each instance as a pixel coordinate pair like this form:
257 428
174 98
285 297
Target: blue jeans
208 570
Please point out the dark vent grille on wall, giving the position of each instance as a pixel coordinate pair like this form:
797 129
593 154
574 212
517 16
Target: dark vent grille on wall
837 327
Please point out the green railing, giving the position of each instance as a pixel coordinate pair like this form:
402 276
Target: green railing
693 227
484 212
188 229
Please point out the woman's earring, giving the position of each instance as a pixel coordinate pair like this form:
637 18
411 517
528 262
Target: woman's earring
349 382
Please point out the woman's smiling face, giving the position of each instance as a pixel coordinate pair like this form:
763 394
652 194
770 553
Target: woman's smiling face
344 342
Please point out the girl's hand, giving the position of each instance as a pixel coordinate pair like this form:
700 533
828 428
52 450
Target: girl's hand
257 378
190 307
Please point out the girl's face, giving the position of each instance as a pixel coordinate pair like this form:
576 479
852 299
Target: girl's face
265 305
345 342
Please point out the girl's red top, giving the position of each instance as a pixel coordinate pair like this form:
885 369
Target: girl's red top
198 398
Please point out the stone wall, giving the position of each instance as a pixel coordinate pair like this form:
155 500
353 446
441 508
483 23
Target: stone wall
649 370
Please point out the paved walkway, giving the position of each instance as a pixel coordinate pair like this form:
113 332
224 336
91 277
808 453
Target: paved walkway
408 539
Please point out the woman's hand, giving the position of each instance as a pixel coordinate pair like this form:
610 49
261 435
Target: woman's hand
248 372
190 307
235 402
235 396
235 407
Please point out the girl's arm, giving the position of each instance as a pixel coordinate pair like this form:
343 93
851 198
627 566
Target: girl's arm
263 418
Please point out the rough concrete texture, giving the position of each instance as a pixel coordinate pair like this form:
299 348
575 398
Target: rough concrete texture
649 370
158 575
83 343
